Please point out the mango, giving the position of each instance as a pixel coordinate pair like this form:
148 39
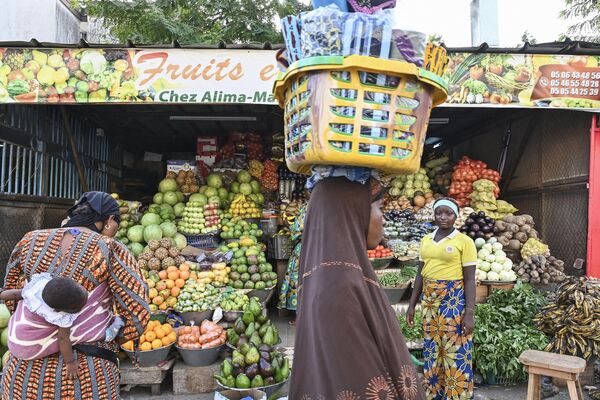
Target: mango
61 75
40 57
46 75
56 61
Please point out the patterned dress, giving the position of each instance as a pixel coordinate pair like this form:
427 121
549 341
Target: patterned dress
448 353
288 298
93 261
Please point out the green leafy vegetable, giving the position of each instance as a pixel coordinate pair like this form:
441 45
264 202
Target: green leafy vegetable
394 279
504 329
412 333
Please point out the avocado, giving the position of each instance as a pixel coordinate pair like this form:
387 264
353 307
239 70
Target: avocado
266 369
252 370
242 382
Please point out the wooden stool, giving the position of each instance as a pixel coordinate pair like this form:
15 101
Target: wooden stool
541 363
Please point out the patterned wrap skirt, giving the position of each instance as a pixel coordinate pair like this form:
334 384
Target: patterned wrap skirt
448 370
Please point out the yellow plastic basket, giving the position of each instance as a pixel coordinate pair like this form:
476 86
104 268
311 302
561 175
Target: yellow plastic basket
357 110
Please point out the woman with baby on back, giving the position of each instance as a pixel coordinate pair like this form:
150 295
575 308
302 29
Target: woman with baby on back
62 287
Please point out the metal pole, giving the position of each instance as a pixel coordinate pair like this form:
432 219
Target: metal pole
84 185
475 32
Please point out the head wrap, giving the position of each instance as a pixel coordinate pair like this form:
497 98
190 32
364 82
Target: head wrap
103 206
445 202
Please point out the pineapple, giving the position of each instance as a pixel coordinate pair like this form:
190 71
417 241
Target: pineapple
173 252
161 253
153 245
154 264
15 59
142 263
165 243
179 260
168 262
147 255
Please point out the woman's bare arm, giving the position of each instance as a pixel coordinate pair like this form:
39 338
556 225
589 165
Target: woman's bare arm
11 295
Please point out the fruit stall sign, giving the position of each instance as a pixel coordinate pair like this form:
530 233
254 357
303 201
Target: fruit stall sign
247 77
127 76
524 80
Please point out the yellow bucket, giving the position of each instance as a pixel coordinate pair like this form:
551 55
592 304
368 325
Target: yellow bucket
357 110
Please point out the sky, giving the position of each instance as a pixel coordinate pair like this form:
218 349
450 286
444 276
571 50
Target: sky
451 19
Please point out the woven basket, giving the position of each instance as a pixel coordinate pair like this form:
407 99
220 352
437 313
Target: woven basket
357 110
500 83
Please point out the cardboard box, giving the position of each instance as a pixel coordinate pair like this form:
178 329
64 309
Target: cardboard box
206 144
178 165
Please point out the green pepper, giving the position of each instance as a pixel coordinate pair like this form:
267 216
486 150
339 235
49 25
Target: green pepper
227 368
242 382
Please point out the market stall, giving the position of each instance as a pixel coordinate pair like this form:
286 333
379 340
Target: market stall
197 149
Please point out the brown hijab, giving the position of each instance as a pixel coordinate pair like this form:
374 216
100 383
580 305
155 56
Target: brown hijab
348 342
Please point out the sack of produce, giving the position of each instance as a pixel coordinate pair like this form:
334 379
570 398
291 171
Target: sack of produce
505 207
290 28
321 33
534 247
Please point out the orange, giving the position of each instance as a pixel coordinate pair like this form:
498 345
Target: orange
172 268
163 307
128 345
167 328
172 337
156 344
161 285
173 275
184 267
153 293
180 283
142 338
162 274
146 346
150 283
184 275
150 336
170 284
159 333
166 341
175 291
158 300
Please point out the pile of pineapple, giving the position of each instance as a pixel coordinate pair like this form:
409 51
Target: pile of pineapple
160 255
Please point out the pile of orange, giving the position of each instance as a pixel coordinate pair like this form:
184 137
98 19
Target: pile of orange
157 335
166 285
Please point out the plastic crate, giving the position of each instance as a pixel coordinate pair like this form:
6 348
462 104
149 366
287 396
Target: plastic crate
203 241
280 247
357 110
492 379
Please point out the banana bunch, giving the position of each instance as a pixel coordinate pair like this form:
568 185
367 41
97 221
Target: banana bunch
572 318
255 168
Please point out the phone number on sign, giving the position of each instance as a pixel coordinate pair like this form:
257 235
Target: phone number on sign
574 74
574 92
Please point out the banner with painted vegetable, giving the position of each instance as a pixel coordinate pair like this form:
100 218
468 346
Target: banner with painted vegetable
247 76
126 76
523 80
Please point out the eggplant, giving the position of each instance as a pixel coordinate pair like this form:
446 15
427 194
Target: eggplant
481 214
486 229
270 381
470 221
481 221
266 369
473 215
475 228
479 234
472 235
252 371
265 355
492 221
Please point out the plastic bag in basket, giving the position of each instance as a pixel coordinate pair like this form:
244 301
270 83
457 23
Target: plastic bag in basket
368 35
371 6
408 46
322 32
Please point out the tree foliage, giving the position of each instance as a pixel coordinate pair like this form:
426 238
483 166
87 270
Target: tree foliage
191 21
587 10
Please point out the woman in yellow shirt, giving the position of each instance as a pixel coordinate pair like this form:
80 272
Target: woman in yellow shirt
446 281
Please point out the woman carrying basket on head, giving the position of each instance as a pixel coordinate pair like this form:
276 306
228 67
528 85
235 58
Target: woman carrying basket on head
84 251
348 341
446 281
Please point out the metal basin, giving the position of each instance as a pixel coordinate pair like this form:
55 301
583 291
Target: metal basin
196 317
263 295
200 357
269 390
150 358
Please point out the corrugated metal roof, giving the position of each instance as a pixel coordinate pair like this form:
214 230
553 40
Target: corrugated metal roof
569 47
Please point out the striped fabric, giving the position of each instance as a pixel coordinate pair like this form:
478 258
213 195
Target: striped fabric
97 263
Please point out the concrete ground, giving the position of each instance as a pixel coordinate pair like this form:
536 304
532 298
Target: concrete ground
286 331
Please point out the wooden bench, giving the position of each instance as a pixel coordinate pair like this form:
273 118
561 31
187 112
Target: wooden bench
541 363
